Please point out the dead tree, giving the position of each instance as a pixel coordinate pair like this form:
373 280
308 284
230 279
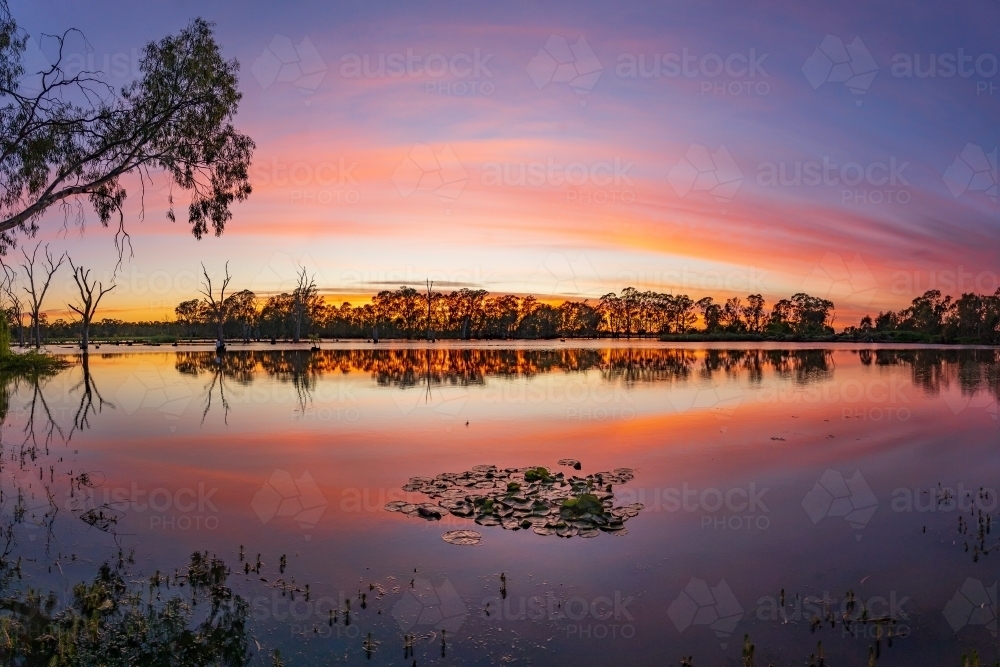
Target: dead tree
90 296
37 286
430 286
302 298
216 308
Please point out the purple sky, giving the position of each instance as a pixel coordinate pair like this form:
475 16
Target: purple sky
652 152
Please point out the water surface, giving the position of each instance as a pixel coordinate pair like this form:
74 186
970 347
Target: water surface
819 472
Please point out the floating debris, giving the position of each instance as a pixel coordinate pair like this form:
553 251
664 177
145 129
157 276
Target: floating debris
535 498
572 463
463 537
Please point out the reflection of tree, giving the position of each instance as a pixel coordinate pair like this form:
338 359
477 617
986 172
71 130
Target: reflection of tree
935 369
38 406
972 369
81 419
219 379
114 619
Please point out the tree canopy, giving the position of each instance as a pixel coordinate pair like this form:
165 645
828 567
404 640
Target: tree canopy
66 138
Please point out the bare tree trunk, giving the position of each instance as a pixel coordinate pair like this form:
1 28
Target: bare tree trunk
88 303
430 286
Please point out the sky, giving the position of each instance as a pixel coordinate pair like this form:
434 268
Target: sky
571 149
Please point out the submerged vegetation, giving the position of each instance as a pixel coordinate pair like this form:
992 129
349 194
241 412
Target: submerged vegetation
192 618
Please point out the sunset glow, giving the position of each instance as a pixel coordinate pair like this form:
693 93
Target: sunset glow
394 155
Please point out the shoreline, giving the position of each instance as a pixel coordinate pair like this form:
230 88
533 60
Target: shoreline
66 350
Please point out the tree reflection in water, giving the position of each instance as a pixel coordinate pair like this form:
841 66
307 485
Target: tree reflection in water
193 617
118 618
932 369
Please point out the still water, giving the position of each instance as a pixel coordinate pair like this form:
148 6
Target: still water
769 492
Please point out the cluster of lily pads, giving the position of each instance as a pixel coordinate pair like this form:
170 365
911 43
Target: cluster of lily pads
546 502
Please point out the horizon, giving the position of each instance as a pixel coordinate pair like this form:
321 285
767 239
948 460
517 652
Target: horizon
374 177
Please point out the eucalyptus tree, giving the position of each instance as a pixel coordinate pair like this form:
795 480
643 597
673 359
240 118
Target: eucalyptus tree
69 138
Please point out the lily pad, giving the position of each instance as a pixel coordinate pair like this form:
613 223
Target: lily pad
463 537
572 463
535 498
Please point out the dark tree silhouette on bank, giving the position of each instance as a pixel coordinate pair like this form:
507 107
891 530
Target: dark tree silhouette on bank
90 296
64 138
217 309
38 285
303 301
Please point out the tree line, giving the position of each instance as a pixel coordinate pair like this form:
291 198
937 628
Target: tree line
931 317
301 313
476 314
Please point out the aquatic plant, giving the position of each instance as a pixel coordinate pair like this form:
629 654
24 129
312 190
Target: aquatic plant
548 503
112 621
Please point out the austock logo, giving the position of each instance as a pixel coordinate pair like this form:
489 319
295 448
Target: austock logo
283 496
564 274
560 62
446 401
147 388
721 400
835 62
283 62
974 170
958 401
699 604
842 281
701 170
834 496
427 170
428 607
973 604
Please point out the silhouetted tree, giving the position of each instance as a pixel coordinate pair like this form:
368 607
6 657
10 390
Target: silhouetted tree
90 296
38 285
64 137
216 308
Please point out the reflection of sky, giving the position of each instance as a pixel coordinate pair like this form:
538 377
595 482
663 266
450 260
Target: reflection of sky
330 147
360 441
